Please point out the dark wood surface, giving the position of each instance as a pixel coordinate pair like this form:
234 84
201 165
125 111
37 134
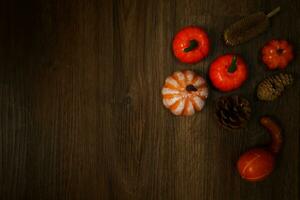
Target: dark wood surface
81 112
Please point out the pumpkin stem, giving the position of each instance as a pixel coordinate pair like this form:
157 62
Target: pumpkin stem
193 45
275 132
191 88
233 65
279 51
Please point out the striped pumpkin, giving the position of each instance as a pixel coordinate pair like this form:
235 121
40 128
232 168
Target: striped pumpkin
184 92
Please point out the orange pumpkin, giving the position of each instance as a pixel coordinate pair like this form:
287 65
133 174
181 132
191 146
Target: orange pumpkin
184 92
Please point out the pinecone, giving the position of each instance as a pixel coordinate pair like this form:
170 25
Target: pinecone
233 112
272 87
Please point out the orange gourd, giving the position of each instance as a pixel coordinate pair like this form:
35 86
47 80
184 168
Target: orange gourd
258 163
184 92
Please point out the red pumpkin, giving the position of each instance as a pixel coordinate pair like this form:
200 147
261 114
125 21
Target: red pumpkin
277 54
228 72
191 44
184 92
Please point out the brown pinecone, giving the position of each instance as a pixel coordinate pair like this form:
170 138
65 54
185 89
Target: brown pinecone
233 111
272 87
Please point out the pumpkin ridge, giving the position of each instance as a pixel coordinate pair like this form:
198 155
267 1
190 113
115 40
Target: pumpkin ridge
198 81
202 86
189 76
172 81
170 86
195 104
169 96
175 105
186 107
179 108
171 101
181 82
199 102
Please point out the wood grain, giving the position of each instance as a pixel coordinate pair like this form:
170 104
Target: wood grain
81 112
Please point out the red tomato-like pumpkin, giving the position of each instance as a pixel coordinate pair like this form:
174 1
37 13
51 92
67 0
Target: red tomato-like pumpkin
191 44
228 72
277 54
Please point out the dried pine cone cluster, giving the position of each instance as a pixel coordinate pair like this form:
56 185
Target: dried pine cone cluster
273 86
233 111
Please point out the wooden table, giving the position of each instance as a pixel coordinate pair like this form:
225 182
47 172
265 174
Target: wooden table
81 111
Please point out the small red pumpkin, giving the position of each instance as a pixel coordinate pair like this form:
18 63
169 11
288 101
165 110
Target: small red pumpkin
191 44
184 92
277 54
258 163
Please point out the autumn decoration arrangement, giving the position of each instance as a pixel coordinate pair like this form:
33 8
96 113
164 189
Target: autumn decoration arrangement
184 92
